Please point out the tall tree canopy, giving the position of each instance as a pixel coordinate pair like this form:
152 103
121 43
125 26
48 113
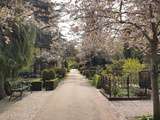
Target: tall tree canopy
134 21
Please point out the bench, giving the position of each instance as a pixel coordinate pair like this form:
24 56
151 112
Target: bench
19 87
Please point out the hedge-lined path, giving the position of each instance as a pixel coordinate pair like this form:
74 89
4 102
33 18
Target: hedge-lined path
74 99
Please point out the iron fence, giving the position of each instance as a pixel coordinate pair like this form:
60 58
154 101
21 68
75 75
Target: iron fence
125 87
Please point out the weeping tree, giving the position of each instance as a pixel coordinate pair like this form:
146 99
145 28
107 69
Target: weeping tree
16 47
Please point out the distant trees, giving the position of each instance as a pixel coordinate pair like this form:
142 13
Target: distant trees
46 16
133 52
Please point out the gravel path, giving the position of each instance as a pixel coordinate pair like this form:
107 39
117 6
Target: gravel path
74 99
25 109
134 108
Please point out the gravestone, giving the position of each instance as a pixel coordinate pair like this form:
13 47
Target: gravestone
145 79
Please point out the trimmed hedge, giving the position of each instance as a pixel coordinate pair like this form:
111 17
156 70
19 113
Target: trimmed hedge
52 76
36 85
48 74
56 81
51 84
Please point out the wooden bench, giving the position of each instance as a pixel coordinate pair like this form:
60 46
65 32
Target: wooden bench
18 88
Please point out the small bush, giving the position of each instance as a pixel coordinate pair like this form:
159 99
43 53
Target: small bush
51 75
89 73
132 66
48 74
60 72
115 67
96 81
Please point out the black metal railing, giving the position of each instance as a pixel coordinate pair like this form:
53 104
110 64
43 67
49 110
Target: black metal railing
125 87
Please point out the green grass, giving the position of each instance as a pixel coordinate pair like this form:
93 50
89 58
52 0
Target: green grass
148 117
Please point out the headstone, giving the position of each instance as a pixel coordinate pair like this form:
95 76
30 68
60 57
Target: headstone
145 79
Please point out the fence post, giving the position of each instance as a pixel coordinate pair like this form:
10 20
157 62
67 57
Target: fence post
110 88
128 86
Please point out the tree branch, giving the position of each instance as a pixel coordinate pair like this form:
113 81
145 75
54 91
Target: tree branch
139 28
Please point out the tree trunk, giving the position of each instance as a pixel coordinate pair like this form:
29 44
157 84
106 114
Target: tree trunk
154 80
2 92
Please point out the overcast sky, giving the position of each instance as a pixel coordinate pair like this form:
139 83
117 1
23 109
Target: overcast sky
66 22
